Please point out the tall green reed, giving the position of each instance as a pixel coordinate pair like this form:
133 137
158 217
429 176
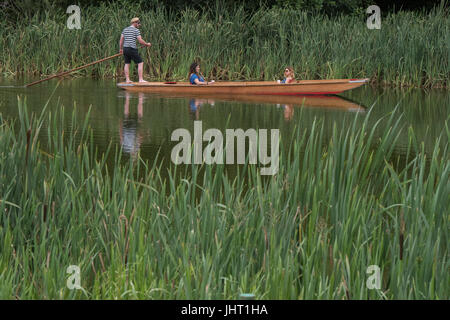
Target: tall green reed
309 232
411 49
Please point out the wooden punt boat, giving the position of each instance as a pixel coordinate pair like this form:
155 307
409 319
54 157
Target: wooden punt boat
301 87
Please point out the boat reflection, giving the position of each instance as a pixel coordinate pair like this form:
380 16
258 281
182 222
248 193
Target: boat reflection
286 103
130 132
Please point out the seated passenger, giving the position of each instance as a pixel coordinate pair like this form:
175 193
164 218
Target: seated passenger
195 76
289 75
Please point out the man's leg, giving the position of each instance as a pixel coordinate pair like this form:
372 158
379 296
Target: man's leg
126 69
141 72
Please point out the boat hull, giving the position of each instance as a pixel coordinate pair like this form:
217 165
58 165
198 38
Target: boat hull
302 87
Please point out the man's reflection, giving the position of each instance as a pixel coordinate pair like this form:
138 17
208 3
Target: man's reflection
129 130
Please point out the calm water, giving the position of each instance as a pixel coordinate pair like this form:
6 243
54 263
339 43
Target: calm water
144 122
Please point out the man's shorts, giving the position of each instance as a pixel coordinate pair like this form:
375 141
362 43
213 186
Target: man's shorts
131 54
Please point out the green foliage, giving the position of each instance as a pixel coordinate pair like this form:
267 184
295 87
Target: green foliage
15 10
410 49
309 232
329 7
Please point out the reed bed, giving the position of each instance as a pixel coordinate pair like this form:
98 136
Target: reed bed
194 232
411 49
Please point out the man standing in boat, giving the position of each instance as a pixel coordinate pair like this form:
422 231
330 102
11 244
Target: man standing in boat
129 49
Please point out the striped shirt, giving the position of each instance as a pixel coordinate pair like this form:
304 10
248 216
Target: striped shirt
130 35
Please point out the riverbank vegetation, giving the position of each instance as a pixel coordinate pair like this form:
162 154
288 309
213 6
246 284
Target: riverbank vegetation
309 232
410 49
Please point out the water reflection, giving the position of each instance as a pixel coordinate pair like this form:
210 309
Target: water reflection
285 103
288 111
130 128
196 104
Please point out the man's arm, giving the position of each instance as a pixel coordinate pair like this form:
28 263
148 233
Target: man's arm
121 43
141 41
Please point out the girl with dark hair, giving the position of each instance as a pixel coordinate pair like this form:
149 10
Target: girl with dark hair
195 76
